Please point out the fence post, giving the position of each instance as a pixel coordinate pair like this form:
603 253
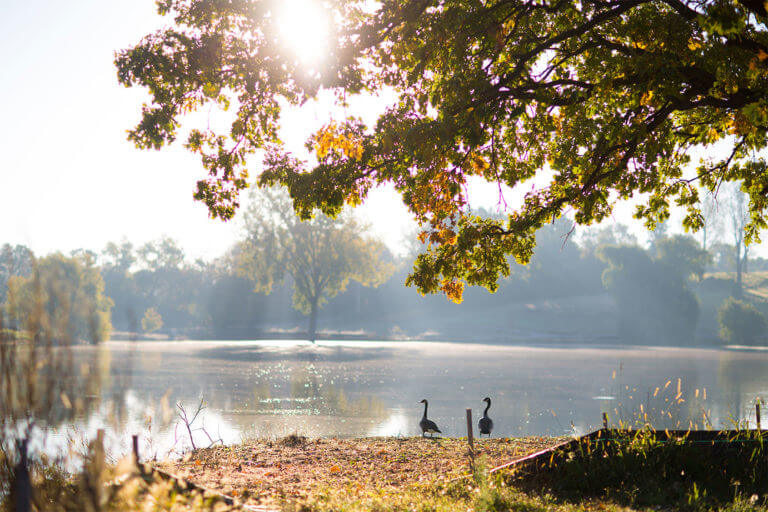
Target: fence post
757 414
471 441
22 482
136 458
605 421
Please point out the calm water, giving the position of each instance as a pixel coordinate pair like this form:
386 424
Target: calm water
274 388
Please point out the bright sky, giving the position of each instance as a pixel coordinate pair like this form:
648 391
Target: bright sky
70 179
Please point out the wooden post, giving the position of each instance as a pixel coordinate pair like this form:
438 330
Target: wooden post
757 414
22 481
605 421
136 459
471 441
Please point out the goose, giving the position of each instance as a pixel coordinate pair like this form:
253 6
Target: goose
485 425
427 425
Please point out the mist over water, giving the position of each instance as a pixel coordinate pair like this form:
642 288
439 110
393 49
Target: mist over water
276 388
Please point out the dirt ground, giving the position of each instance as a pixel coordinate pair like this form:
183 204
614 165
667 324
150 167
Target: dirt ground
267 473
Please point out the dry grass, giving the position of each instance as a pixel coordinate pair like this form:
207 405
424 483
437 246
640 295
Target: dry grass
300 470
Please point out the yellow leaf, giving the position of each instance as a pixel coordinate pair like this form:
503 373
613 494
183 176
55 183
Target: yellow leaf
762 55
335 469
453 289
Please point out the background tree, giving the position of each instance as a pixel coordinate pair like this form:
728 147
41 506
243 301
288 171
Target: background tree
320 255
735 208
118 262
593 237
160 254
63 299
119 258
170 284
652 294
608 97
740 323
683 256
15 260
152 320
712 220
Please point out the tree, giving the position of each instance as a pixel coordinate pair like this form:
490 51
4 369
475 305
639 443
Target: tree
712 221
152 320
735 204
683 256
740 322
14 261
654 301
320 255
610 233
63 299
163 253
607 99
117 261
118 258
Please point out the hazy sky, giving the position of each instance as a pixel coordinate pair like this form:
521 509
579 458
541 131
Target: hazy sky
69 177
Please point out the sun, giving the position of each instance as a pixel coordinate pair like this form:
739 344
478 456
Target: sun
304 29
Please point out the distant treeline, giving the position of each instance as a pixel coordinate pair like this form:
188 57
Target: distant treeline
597 284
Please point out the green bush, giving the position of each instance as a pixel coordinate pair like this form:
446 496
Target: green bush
641 469
740 322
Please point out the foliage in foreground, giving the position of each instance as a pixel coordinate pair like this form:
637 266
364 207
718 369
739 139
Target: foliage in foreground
638 473
100 488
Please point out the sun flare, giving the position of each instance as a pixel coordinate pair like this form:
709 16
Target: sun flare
304 29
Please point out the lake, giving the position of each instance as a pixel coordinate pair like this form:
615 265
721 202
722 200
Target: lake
275 388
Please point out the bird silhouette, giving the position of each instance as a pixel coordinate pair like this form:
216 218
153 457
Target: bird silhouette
426 424
485 425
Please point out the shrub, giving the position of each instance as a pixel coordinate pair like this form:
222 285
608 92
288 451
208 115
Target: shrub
740 322
152 320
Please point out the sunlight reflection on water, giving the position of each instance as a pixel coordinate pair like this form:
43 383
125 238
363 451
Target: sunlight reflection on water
347 388
394 426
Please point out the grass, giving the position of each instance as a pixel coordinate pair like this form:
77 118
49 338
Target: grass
316 471
635 472
631 473
643 470
102 488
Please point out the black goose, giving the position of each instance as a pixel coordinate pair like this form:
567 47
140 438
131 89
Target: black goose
427 425
485 425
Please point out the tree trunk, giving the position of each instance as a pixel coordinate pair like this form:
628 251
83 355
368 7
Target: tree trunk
739 263
312 321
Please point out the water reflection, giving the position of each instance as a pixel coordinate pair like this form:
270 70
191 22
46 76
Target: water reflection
272 389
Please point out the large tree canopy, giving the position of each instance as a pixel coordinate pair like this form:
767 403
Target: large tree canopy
606 99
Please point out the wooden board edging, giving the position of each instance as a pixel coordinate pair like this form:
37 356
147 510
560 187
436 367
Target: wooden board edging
694 436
